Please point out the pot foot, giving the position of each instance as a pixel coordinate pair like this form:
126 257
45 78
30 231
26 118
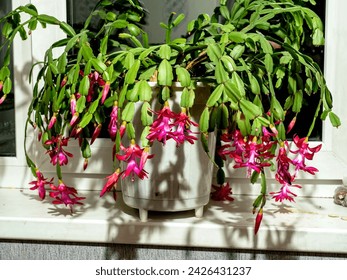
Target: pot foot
143 215
199 212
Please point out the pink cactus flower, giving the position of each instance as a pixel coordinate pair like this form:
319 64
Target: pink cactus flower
135 158
73 104
85 164
64 194
95 79
161 129
122 129
63 82
254 157
247 151
76 132
57 153
284 193
112 181
236 148
183 133
304 152
283 165
3 98
40 183
112 126
74 119
291 125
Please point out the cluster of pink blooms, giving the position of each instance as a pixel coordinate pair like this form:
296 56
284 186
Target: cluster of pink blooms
255 153
170 125
62 193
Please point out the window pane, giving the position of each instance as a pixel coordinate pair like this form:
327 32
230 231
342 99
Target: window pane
308 111
158 11
78 11
7 123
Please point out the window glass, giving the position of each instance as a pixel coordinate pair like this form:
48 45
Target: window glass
7 112
157 11
308 111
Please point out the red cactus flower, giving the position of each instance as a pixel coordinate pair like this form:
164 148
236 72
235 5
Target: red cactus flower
222 192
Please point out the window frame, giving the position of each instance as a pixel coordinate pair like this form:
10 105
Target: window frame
21 61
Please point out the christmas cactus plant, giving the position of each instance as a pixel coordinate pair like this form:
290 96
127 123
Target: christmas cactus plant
251 56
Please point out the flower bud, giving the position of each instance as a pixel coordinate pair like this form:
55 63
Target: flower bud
63 82
291 124
96 133
74 119
258 220
105 92
273 129
75 132
73 104
52 121
39 136
122 129
2 99
85 164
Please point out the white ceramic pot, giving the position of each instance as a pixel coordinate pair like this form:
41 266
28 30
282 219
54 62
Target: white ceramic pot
179 178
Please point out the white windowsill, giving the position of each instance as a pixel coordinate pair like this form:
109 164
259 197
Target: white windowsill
310 224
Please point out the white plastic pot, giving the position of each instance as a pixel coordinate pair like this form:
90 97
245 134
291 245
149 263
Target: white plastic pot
179 178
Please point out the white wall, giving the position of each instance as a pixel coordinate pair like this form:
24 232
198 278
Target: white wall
336 61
